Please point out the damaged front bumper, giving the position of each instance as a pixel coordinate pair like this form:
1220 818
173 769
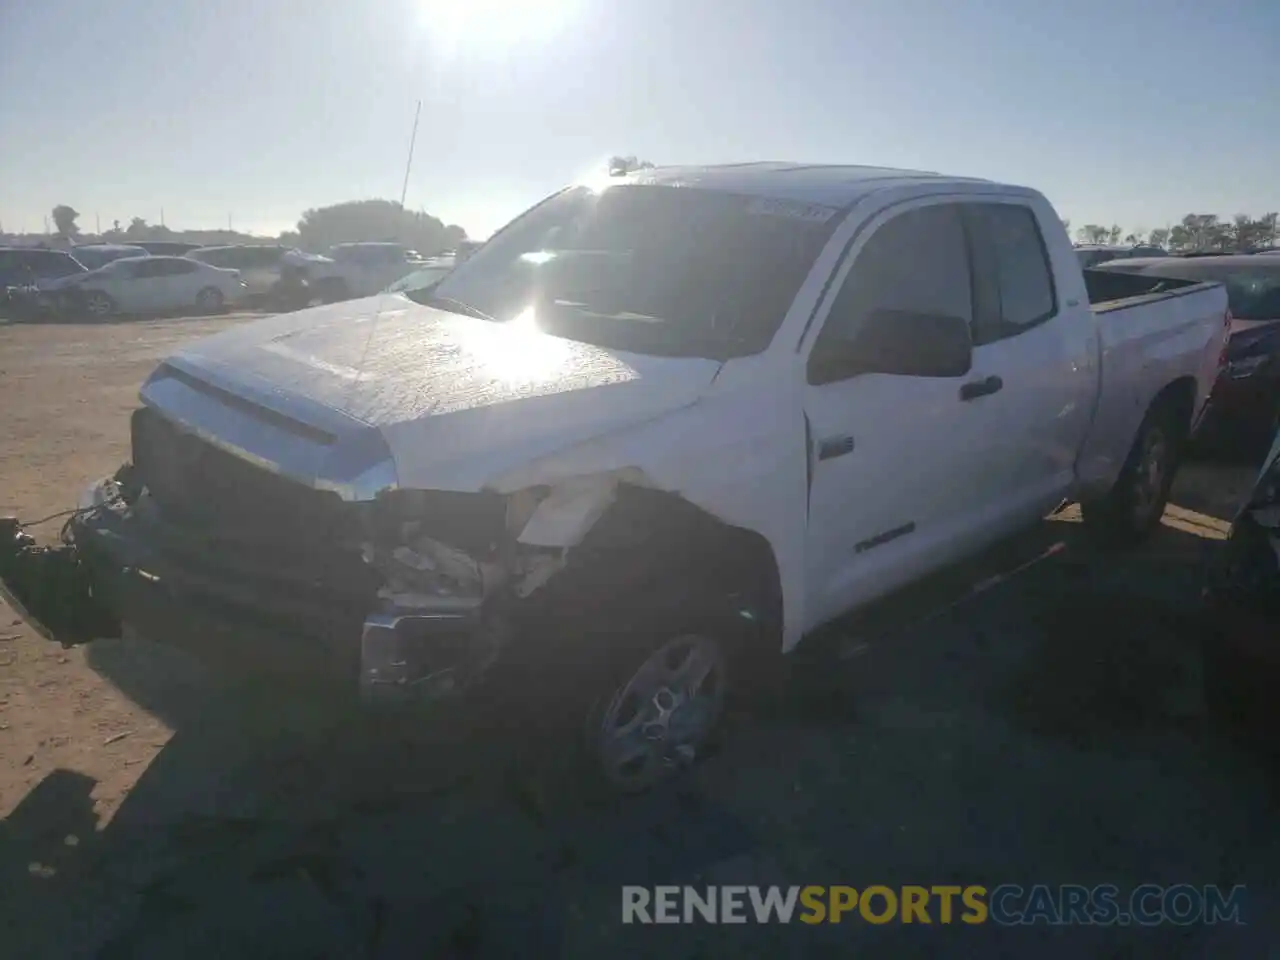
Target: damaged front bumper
121 565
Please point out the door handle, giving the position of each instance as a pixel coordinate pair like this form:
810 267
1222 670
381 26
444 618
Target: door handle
981 388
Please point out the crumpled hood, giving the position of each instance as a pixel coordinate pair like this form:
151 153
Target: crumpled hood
456 399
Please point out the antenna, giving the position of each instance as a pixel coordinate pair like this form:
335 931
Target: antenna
409 163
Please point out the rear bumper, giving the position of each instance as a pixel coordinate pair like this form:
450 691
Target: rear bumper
156 581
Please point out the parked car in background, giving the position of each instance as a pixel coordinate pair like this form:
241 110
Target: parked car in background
153 285
36 266
465 249
368 268
95 255
263 266
1245 408
1091 255
643 433
167 248
431 271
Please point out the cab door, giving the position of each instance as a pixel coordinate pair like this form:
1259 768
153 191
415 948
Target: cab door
1043 353
894 459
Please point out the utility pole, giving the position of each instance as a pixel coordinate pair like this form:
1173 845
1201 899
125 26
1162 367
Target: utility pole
97 223
162 216
409 163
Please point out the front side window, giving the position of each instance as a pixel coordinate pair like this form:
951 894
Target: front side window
647 268
53 266
918 262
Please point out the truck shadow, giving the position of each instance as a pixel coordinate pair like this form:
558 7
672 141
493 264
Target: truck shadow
1048 728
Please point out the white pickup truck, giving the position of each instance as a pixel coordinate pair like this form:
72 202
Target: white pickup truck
652 427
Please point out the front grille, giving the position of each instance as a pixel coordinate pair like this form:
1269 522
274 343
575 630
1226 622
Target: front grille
229 499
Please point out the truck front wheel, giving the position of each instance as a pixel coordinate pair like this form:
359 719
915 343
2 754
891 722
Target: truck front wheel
659 712
1132 509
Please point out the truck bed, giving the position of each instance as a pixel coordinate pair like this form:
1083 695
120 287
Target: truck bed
1152 332
1111 290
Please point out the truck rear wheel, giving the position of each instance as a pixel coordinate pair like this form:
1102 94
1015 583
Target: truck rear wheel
1132 509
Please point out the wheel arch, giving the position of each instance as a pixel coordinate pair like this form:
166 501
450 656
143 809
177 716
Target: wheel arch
653 550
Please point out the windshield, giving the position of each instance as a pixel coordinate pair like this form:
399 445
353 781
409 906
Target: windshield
1254 296
649 269
421 278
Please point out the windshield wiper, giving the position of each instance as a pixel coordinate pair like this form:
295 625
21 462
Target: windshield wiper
429 299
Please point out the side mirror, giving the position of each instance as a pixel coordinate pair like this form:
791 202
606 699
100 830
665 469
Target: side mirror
899 342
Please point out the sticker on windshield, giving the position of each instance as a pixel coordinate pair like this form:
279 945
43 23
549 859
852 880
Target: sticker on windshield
791 209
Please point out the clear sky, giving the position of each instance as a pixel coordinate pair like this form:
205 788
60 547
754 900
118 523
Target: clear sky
1126 111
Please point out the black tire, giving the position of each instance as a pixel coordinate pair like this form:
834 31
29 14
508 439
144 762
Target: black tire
98 305
210 300
570 689
1132 509
332 289
688 725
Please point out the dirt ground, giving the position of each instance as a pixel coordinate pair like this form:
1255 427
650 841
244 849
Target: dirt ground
1048 730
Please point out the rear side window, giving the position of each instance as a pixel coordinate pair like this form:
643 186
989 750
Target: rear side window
1011 267
918 262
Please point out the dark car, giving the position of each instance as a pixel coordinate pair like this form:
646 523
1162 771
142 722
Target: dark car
166 248
1242 597
35 266
1246 400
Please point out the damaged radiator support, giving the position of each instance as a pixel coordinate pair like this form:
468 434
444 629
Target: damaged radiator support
445 614
51 588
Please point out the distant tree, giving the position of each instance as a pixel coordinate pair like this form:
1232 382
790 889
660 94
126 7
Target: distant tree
1268 228
1198 232
1093 233
1249 234
1113 234
1159 237
376 220
137 229
628 164
64 219
1133 238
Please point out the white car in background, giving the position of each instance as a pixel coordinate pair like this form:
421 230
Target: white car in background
155 285
97 255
